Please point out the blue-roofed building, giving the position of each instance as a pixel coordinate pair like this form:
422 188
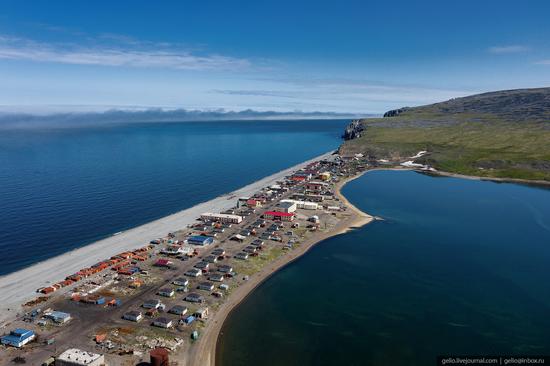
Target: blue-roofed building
18 337
200 240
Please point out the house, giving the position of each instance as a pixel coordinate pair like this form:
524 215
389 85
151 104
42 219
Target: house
18 337
58 316
202 265
166 292
314 197
176 250
257 242
250 249
225 268
178 310
181 281
316 186
238 237
201 240
253 203
218 252
223 218
280 216
324 176
163 263
287 206
162 322
134 316
193 272
298 178
152 304
211 259
194 297
207 286
216 278
242 256
201 313
77 357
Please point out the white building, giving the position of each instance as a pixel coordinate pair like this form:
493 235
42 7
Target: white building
77 357
224 218
304 205
134 316
287 206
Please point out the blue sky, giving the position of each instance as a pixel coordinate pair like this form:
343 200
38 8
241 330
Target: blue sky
343 56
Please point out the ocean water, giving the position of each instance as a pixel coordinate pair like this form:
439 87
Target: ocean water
457 267
63 188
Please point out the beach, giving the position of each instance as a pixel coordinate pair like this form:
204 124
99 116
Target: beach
204 351
20 286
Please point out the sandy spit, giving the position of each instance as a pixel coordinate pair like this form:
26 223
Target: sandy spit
204 351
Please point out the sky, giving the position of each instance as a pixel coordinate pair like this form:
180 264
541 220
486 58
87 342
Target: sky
340 56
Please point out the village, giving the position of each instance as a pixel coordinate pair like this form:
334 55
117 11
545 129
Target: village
152 303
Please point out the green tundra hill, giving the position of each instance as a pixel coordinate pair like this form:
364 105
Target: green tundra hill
503 134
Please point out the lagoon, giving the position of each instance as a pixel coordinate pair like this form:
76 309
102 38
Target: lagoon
456 267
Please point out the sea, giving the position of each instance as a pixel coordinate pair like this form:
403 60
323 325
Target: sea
456 267
63 188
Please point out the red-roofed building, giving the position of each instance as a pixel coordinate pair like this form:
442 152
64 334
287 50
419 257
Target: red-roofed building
279 216
163 263
253 203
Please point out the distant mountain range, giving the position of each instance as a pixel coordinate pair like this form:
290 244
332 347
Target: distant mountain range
504 134
83 119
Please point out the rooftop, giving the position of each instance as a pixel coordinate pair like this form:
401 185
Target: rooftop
278 213
81 357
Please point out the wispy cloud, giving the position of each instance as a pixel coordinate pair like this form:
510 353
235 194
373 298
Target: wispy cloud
150 55
543 62
342 94
499 50
256 93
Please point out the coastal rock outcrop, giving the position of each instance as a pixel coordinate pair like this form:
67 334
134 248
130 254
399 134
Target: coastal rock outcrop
396 112
353 130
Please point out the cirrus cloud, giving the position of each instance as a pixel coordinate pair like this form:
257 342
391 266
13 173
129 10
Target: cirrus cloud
498 50
154 56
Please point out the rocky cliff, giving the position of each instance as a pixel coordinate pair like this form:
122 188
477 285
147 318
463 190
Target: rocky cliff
353 130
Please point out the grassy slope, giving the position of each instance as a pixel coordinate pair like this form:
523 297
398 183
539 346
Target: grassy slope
503 134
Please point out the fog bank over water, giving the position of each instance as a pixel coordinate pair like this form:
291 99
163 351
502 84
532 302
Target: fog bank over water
10 120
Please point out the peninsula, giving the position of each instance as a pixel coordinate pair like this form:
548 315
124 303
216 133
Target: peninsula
169 284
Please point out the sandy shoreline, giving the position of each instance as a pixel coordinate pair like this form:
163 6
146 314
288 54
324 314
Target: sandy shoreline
20 286
489 179
204 351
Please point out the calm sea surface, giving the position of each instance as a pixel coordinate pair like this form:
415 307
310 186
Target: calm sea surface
457 267
63 188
